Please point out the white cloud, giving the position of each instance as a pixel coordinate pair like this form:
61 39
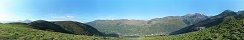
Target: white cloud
69 17
5 16
62 17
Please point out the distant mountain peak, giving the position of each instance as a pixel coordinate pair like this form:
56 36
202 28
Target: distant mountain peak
190 19
228 11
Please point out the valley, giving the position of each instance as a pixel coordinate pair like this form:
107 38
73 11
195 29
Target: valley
157 26
228 25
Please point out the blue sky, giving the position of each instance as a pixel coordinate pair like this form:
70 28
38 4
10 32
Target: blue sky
90 10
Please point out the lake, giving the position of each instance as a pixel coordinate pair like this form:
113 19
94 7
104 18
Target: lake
130 36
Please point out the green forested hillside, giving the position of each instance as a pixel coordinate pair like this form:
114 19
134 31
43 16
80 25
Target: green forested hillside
21 32
225 16
45 25
228 25
78 28
70 27
232 30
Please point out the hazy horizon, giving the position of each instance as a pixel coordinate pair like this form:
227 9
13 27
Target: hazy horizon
90 10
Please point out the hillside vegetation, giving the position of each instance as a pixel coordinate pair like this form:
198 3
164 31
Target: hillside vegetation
228 25
21 32
70 27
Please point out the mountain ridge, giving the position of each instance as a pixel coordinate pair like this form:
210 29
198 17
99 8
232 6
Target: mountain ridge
212 21
147 25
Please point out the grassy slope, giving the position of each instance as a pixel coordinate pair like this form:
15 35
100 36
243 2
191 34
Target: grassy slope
17 31
232 30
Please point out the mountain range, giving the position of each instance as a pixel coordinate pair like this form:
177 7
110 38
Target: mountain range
228 25
225 16
157 26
